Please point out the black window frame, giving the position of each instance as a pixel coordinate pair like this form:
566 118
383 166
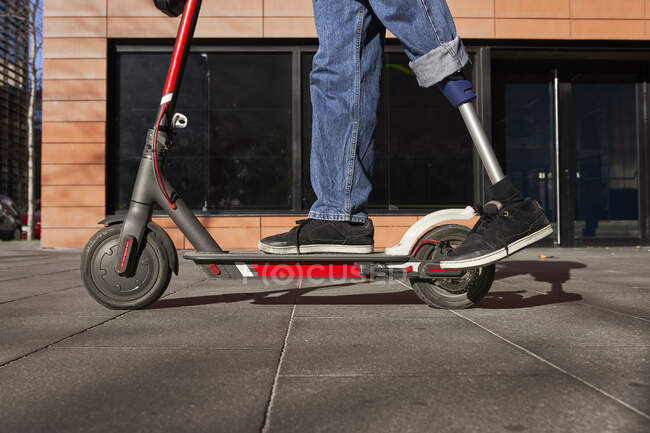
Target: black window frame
482 79
297 48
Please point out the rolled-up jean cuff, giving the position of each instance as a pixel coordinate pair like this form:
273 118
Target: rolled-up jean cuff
439 63
357 218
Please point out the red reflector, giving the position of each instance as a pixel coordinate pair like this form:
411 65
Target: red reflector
409 269
215 269
126 249
441 270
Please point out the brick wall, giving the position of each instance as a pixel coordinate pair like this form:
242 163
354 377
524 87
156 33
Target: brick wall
74 86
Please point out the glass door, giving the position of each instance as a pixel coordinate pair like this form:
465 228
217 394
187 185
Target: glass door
566 128
524 127
605 143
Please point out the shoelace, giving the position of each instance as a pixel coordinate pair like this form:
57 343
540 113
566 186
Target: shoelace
488 213
298 228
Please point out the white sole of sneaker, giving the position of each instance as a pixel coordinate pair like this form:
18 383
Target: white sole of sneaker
316 248
495 256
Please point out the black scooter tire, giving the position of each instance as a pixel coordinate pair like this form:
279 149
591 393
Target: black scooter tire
456 293
142 287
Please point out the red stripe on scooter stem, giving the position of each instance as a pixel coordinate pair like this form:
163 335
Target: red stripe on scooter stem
179 46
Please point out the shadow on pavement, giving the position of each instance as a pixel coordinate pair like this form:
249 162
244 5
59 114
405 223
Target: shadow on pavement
552 272
555 273
295 296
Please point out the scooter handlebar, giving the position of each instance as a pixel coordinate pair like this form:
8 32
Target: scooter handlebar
172 8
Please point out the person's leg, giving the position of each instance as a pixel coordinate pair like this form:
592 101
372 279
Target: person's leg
427 31
344 85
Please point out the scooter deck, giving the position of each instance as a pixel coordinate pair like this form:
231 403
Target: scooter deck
200 257
374 265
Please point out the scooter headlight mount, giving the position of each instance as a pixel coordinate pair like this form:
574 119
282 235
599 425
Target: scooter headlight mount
179 121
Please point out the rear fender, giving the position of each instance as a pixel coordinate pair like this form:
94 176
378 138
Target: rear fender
466 217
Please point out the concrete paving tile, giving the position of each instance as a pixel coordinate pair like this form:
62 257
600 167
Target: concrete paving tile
29 324
463 404
211 326
381 345
26 250
376 299
595 280
182 282
335 299
66 303
586 264
627 294
32 323
210 286
511 298
608 350
228 294
47 268
109 390
566 324
623 371
633 301
360 357
394 304
20 338
38 284
34 264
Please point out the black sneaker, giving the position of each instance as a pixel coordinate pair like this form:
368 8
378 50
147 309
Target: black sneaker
501 231
320 236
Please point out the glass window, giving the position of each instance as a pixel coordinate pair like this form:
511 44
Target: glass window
423 153
524 129
605 143
597 134
236 152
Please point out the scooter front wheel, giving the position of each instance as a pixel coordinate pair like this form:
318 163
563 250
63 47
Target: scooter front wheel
141 287
451 293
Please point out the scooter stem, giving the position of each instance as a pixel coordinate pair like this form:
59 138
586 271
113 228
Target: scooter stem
481 142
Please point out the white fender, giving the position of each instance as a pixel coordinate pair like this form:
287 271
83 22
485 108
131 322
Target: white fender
424 224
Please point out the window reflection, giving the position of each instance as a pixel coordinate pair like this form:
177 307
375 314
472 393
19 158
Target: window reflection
599 136
605 145
236 151
423 153
524 129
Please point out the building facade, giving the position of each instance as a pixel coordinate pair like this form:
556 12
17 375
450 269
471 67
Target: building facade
562 93
14 93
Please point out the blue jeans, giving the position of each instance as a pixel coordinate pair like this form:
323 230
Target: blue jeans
344 86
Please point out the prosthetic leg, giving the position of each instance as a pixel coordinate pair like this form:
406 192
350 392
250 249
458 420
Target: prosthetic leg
509 222
460 93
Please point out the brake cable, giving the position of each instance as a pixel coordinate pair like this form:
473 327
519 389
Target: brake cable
155 160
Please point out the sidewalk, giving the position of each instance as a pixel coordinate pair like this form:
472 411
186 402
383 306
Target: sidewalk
558 345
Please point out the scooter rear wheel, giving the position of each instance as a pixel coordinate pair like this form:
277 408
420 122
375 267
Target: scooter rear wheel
141 287
450 293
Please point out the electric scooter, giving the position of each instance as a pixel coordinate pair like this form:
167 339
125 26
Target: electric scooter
128 263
